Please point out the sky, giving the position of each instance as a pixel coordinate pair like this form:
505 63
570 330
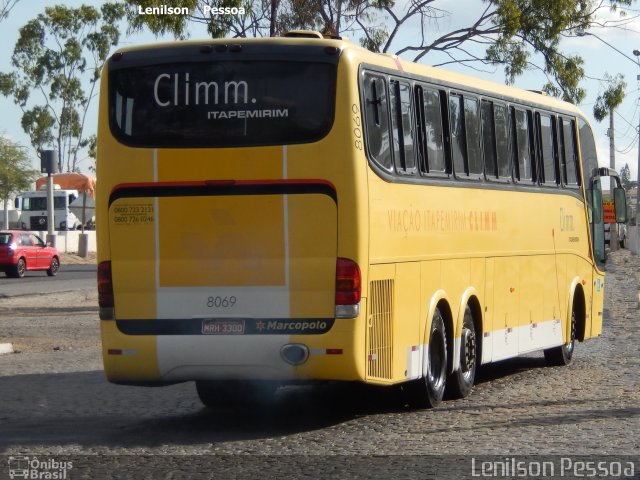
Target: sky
604 51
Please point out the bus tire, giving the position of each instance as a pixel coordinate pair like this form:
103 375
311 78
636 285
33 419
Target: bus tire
427 392
460 382
563 355
234 393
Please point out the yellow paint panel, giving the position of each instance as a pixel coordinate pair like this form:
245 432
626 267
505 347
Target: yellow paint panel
430 282
312 223
220 164
455 280
132 241
598 305
222 241
406 328
531 288
139 365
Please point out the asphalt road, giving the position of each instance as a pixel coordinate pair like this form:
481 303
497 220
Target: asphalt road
69 278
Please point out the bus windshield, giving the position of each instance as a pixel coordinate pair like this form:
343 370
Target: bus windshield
222 104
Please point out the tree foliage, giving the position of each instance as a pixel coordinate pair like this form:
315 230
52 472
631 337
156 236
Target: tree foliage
518 34
611 98
625 177
56 54
16 173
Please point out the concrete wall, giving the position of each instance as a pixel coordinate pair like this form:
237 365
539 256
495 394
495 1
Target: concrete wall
68 241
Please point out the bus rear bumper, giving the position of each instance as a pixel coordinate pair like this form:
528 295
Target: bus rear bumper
168 359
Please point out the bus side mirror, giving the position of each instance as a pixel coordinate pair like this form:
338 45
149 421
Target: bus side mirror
620 200
597 203
16 203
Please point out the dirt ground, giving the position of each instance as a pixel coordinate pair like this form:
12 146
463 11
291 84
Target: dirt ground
54 322
72 258
50 323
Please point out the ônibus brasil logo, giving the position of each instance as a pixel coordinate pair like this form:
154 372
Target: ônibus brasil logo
34 468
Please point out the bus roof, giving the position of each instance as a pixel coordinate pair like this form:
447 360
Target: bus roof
387 61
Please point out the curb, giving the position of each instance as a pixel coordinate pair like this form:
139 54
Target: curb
6 348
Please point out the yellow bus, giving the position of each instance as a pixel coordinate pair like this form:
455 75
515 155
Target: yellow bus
283 210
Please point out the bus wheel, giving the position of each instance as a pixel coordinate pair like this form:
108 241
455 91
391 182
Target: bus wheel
563 355
427 392
234 393
460 382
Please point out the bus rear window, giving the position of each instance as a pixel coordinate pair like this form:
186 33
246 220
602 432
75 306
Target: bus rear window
222 104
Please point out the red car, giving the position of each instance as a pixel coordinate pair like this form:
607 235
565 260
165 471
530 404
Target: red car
22 251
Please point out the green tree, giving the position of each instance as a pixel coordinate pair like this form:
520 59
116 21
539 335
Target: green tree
625 177
16 174
611 98
518 34
56 54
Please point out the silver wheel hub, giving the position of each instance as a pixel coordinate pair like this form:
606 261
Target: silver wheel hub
467 351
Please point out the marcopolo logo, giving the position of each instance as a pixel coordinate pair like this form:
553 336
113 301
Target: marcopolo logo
293 326
37 469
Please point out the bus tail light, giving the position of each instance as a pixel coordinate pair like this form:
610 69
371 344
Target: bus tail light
105 291
348 288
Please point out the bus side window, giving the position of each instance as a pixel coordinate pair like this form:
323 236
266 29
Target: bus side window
421 154
401 122
429 115
502 141
589 158
456 128
568 167
535 171
377 121
495 135
464 124
472 130
434 103
488 138
523 146
547 161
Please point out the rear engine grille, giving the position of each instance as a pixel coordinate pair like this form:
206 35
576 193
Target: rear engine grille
380 331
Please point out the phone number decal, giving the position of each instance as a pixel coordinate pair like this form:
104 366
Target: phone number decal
133 214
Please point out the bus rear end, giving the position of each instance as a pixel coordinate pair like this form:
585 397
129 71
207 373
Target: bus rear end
217 221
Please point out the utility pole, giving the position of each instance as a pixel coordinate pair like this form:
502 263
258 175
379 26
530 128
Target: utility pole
613 227
637 250
274 10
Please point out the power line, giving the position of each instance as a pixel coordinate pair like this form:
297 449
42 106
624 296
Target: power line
629 147
629 123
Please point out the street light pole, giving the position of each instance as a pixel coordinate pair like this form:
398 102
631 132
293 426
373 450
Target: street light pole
582 33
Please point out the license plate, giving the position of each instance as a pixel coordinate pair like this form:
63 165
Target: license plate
223 327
